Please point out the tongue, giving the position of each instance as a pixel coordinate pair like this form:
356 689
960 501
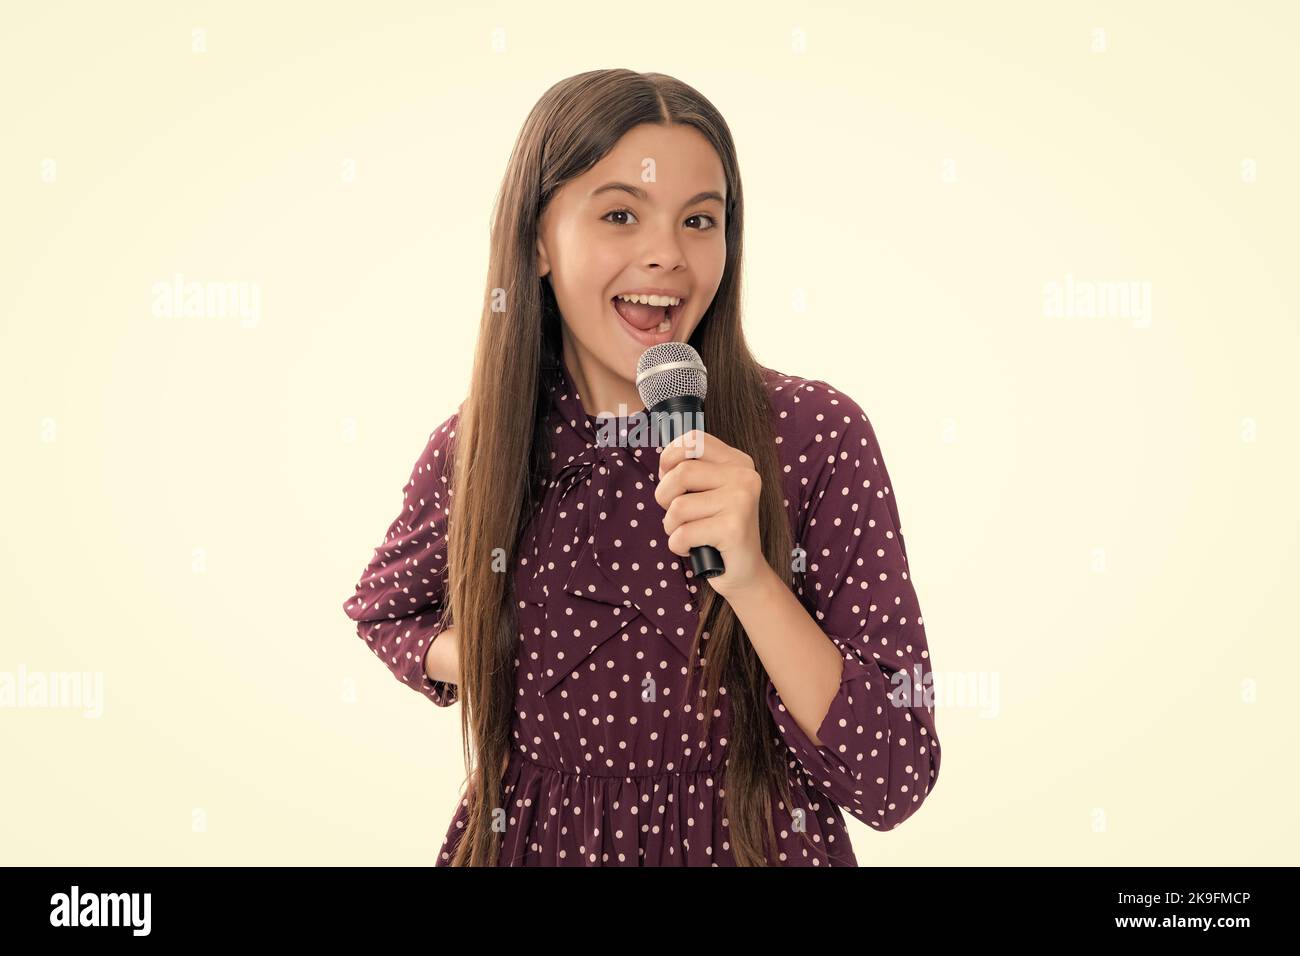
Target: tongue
643 317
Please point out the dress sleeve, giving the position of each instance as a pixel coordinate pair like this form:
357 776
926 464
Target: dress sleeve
398 603
879 757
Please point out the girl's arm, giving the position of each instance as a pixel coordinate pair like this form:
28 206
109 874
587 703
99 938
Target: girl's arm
442 661
398 603
874 750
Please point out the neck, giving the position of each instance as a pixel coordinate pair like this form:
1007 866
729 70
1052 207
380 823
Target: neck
602 390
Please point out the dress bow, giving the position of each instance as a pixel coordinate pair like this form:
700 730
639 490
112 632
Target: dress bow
606 496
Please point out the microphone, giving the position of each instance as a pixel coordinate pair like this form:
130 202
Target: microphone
672 382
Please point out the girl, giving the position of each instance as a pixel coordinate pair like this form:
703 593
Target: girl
635 715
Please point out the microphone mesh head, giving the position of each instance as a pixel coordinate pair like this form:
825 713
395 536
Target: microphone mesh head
670 370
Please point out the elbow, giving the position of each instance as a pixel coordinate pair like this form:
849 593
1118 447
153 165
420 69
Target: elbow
904 792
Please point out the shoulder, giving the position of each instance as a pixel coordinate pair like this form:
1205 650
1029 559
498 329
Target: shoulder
814 417
432 472
820 431
442 440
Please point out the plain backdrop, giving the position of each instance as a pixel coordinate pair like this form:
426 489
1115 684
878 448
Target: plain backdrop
1098 501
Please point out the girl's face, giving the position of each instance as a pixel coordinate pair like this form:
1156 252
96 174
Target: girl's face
648 216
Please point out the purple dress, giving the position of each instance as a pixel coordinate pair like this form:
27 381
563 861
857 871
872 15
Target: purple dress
608 765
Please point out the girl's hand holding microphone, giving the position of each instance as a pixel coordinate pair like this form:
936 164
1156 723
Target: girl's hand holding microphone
710 492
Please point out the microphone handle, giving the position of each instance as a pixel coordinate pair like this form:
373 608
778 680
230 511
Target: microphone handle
669 419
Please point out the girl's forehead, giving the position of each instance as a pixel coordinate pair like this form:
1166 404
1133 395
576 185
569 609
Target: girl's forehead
649 175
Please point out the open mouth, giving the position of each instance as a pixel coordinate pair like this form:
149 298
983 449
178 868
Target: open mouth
648 323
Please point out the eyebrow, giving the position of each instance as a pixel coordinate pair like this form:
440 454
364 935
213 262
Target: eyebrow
639 193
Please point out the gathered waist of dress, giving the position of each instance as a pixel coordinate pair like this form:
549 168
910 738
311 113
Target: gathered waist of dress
517 756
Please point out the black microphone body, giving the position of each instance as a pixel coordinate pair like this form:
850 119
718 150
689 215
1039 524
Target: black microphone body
670 419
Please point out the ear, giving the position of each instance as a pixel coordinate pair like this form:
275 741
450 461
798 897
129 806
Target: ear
543 260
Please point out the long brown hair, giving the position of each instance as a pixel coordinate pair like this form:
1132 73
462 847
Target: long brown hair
500 455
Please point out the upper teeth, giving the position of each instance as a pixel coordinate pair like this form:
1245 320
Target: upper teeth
658 300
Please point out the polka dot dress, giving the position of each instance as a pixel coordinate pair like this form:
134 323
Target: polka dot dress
609 764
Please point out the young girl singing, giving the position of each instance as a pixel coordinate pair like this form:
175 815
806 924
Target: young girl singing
617 711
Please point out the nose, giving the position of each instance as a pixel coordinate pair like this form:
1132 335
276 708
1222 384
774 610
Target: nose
663 248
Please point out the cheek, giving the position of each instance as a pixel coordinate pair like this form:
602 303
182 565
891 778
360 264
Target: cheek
707 265
595 271
710 263
580 293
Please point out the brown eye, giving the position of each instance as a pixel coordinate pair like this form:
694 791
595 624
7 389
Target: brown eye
713 222
617 212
